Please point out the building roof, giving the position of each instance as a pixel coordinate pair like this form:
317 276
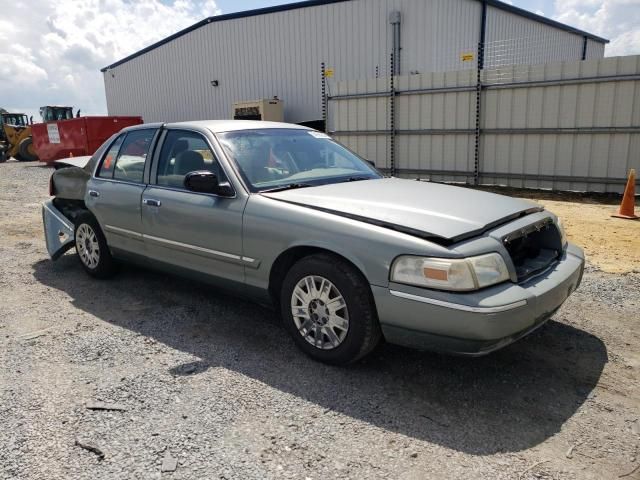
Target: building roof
314 3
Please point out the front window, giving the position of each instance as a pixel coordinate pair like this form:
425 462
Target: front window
183 152
51 114
275 158
17 120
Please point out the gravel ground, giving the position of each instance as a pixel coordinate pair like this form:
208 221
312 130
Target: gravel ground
212 386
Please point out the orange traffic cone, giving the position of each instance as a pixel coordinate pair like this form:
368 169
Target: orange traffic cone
627 207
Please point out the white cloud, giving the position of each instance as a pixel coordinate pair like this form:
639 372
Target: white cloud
52 52
617 20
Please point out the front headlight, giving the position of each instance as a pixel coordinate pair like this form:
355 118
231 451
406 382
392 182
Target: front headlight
456 274
563 234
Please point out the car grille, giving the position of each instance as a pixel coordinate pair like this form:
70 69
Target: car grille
534 248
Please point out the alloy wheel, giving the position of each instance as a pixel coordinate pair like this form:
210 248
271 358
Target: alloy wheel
87 244
320 312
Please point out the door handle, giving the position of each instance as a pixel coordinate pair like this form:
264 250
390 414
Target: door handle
94 193
151 202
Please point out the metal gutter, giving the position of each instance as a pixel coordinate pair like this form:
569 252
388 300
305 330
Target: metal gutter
494 86
517 176
317 3
491 131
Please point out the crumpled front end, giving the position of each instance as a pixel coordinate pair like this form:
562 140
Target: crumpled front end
58 230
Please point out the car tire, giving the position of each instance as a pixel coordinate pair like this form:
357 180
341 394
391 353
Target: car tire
27 153
92 249
311 308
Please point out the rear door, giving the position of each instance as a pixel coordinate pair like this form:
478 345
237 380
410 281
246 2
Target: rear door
196 231
115 192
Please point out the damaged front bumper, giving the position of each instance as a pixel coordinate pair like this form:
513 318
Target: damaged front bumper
479 322
58 230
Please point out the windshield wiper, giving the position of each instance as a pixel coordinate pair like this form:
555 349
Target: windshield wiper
290 186
357 179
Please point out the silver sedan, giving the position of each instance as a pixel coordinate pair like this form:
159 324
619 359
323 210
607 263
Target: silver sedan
284 215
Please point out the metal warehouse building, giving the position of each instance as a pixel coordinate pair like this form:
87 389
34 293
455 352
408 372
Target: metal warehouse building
199 72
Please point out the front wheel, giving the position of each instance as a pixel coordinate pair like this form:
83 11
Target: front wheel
27 152
328 308
92 249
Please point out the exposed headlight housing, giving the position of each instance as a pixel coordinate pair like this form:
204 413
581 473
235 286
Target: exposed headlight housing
563 234
454 274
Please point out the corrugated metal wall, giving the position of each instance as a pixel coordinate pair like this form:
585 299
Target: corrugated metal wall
594 49
280 54
562 126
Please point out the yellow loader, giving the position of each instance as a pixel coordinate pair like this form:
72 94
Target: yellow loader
15 138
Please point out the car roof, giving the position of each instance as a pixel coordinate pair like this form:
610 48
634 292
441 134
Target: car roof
218 126
142 126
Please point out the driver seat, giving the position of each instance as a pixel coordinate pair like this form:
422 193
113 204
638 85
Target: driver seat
188 161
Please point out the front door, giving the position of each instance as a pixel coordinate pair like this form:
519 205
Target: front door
115 192
195 231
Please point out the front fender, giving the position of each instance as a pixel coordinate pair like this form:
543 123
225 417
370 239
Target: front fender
331 247
271 227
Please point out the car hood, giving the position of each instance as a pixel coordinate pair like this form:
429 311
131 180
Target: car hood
442 213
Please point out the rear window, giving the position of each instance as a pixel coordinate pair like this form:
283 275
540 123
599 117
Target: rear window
109 162
126 157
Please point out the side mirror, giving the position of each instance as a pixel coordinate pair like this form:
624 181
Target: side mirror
201 181
204 181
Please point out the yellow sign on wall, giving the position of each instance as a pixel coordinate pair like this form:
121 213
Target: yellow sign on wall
328 72
467 57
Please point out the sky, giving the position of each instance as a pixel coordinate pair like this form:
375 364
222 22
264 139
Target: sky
51 51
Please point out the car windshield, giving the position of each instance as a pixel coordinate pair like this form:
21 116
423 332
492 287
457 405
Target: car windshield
286 158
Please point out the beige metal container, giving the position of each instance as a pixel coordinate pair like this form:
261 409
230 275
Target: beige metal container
267 109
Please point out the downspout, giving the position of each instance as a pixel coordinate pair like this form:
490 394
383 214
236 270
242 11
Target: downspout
483 35
394 20
584 47
478 130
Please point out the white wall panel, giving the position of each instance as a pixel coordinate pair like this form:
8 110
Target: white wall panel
594 49
279 53
533 135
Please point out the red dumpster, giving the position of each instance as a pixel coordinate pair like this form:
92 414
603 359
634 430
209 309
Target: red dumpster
76 136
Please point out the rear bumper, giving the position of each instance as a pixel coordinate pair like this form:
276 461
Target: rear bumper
480 322
58 230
